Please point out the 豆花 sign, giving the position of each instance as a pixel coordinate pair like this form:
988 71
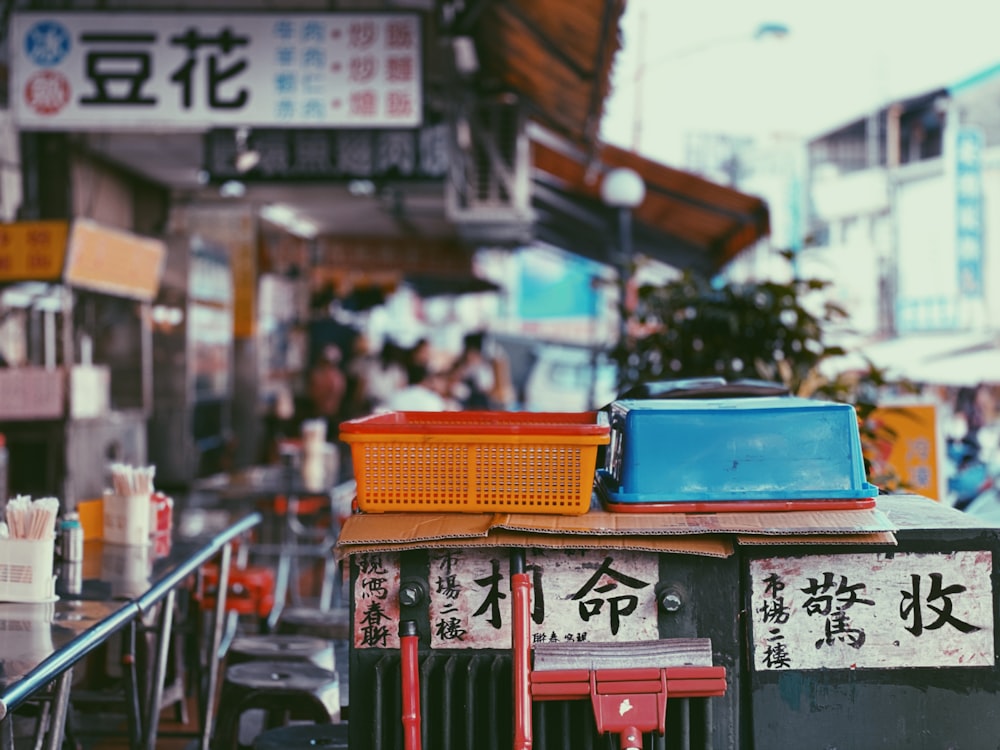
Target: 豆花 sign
192 71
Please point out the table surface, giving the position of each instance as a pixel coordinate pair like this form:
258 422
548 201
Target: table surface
38 641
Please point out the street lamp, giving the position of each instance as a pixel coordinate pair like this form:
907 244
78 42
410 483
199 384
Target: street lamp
623 189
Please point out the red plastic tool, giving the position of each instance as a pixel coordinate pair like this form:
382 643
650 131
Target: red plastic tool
520 586
627 702
410 678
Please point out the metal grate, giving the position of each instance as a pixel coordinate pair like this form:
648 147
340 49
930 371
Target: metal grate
466 704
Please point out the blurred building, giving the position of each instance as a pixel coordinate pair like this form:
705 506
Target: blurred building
903 206
336 166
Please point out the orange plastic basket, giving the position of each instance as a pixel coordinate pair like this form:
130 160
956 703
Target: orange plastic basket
475 461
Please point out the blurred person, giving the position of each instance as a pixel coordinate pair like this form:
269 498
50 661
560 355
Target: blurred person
325 398
425 391
477 380
383 374
420 352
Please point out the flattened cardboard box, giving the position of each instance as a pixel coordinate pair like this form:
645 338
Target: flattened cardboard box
703 534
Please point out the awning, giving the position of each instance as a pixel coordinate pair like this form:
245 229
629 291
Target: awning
685 221
962 368
556 54
944 357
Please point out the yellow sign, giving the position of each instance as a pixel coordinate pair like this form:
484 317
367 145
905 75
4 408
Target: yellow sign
33 250
114 261
906 439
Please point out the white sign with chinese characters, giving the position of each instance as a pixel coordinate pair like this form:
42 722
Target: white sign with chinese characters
873 611
376 600
576 595
107 71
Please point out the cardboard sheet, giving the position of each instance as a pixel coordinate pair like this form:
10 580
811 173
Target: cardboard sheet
712 534
879 538
778 523
708 546
367 528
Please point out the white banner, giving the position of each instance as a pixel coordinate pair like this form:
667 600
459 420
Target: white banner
895 610
576 596
97 71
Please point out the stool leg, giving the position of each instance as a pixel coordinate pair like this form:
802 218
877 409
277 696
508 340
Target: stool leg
131 685
60 709
327 589
232 623
208 704
281 582
163 632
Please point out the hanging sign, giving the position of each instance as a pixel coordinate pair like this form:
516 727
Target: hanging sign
114 261
873 611
33 250
306 154
101 71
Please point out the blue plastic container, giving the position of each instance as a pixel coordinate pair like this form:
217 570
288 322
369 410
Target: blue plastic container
731 449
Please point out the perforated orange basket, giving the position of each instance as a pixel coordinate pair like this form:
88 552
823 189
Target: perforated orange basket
475 461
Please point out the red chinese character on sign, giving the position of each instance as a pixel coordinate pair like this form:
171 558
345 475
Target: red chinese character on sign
399 35
362 34
39 237
46 92
37 262
399 104
399 69
6 263
362 69
363 103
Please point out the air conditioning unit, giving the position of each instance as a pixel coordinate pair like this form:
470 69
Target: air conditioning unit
488 190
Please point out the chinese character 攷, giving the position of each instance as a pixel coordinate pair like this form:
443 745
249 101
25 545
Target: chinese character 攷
938 600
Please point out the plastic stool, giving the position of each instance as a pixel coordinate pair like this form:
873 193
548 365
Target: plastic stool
304 737
332 624
285 648
286 690
251 589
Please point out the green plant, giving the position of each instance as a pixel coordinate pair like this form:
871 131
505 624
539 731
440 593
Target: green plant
764 330
693 328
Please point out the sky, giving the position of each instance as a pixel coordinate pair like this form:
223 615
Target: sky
703 70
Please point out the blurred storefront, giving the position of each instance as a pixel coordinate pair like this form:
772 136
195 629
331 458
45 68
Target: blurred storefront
284 156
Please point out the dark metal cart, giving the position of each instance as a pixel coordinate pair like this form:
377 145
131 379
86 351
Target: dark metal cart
853 641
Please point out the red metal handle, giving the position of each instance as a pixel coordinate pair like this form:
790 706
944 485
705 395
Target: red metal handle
408 642
520 587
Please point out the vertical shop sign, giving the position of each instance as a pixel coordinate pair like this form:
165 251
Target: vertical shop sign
968 177
78 71
376 600
873 611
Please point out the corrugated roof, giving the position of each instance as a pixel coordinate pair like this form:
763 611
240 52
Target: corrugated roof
684 220
557 56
